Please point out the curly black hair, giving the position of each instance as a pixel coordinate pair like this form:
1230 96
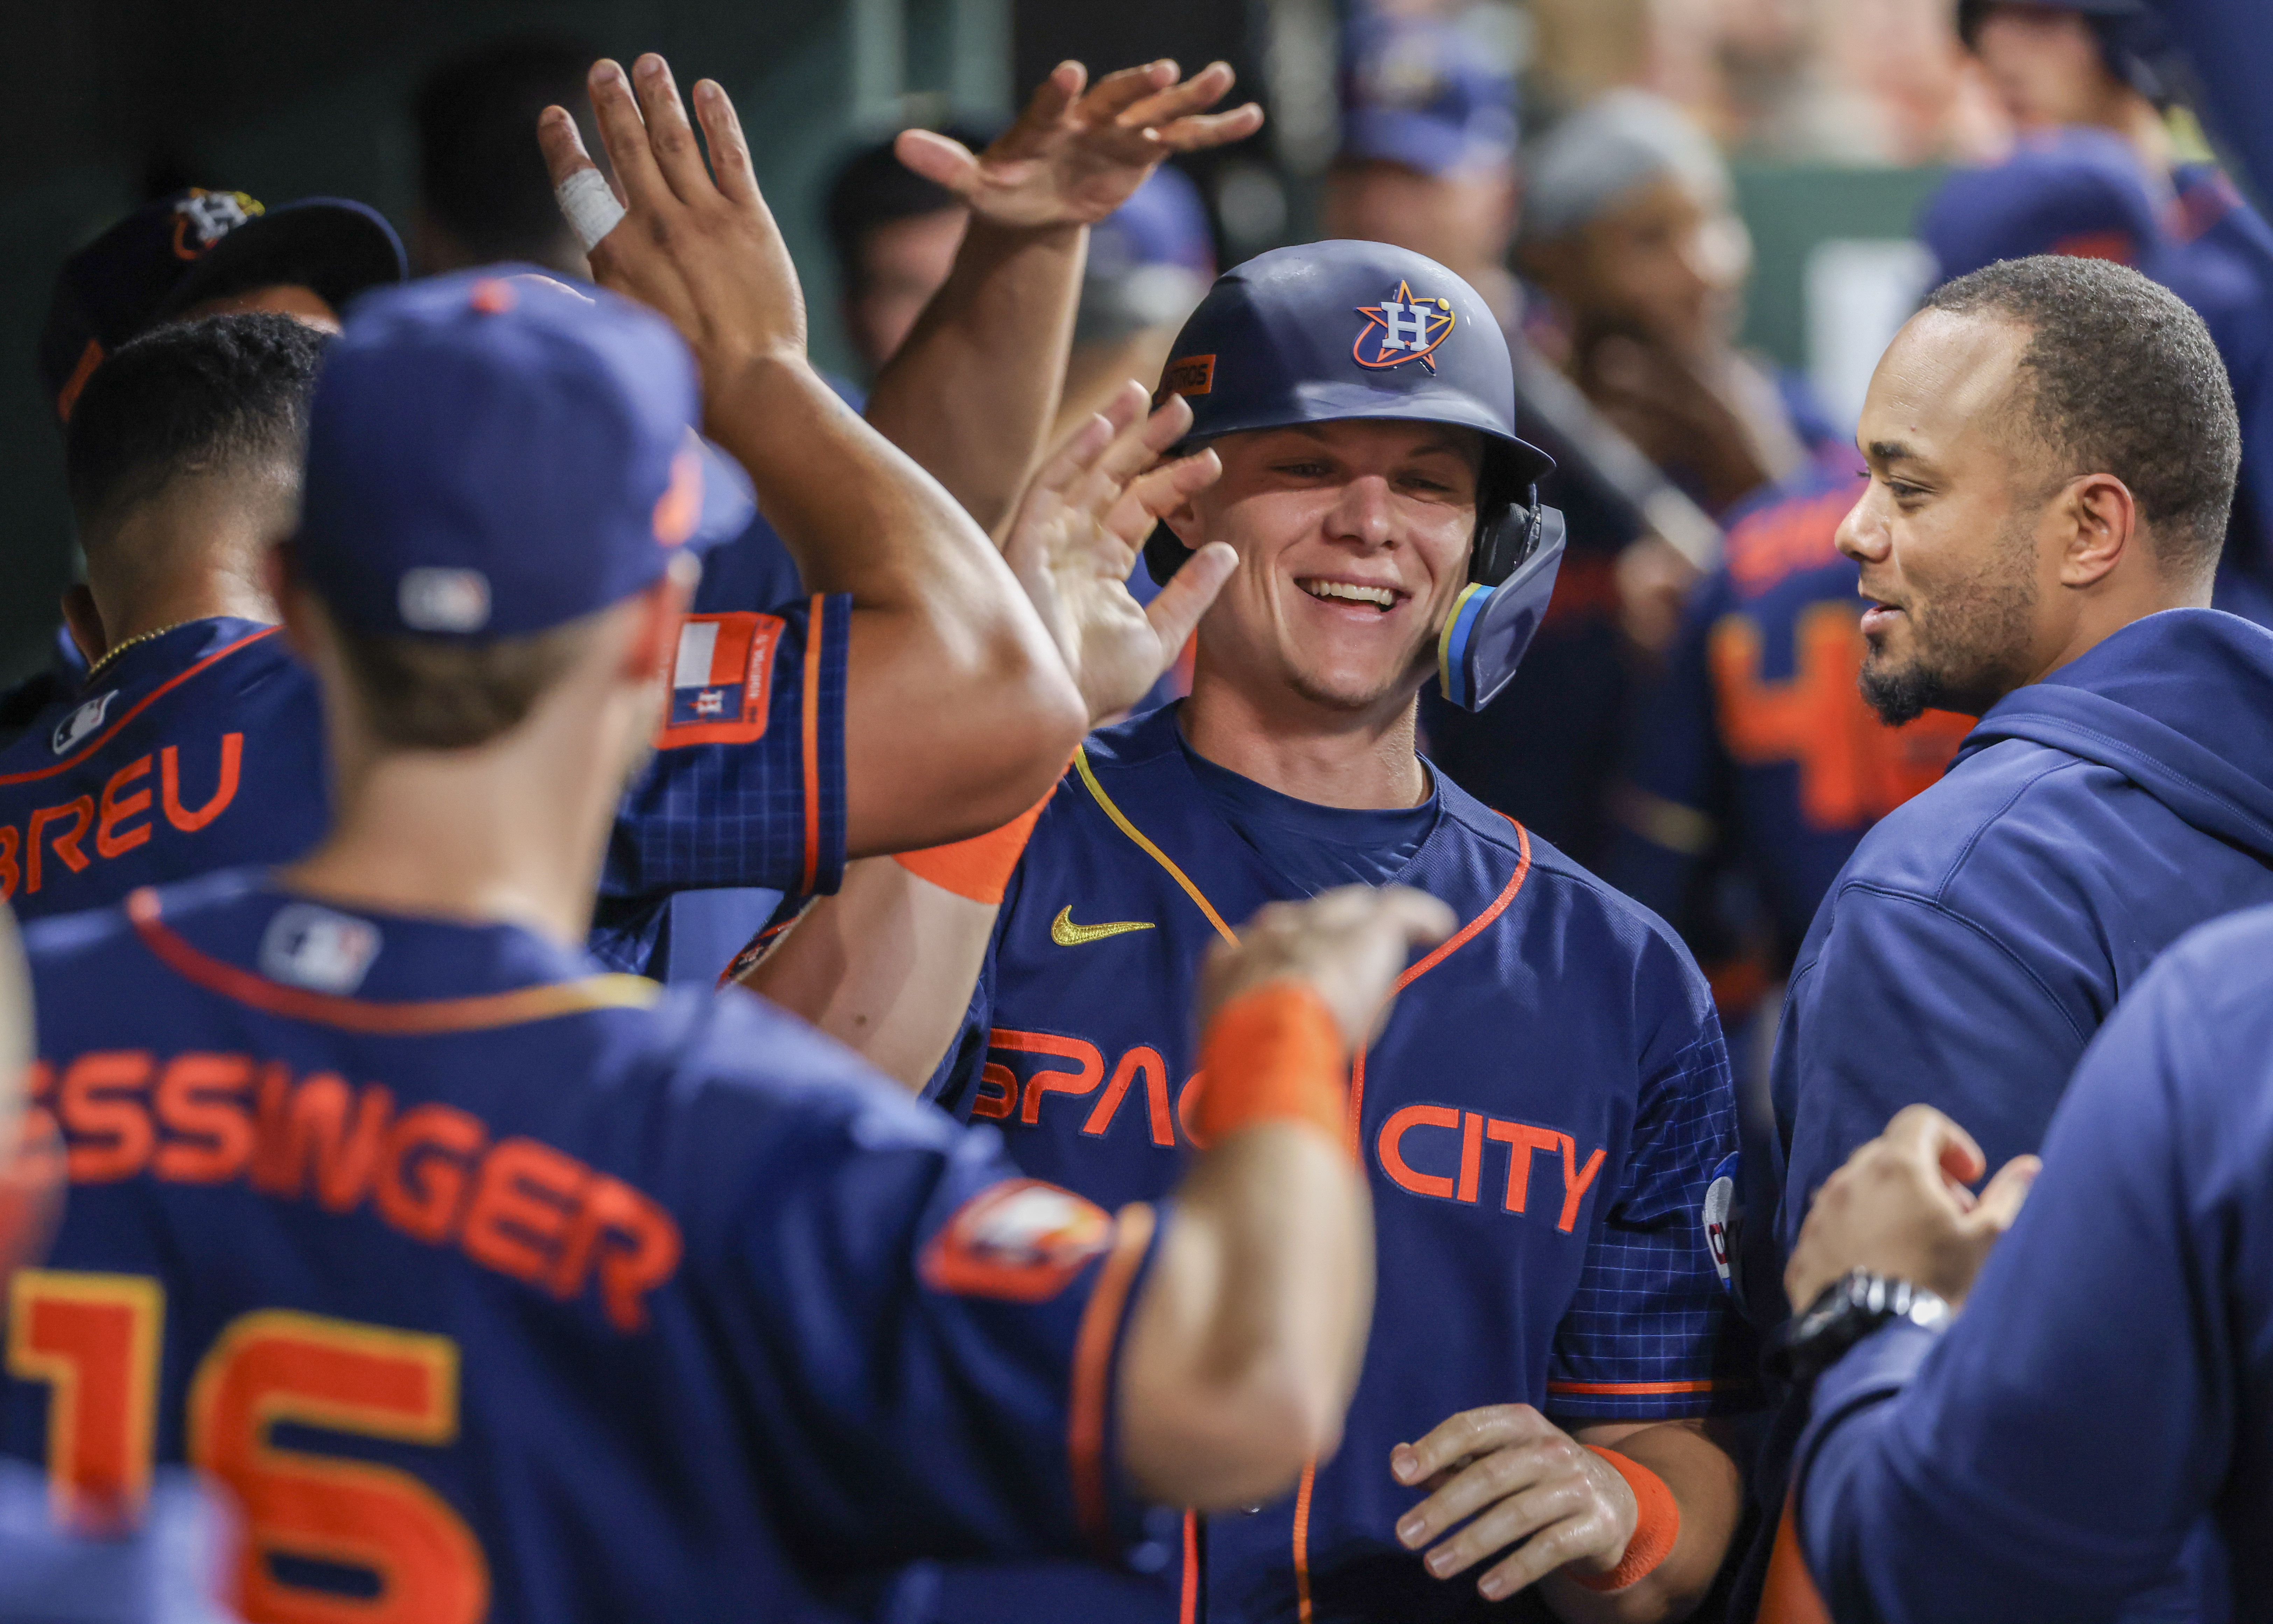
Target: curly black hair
193 397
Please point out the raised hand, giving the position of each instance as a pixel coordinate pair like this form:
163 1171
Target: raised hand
696 241
1073 158
1075 540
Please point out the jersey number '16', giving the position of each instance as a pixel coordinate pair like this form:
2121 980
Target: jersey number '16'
97 1342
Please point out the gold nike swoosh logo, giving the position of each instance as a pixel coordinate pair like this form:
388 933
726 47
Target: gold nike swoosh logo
1066 933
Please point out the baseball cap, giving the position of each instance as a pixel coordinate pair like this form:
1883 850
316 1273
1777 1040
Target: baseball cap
1150 261
169 255
2080 192
492 454
1421 92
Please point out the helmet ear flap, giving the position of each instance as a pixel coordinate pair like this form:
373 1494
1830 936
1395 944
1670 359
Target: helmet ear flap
1505 540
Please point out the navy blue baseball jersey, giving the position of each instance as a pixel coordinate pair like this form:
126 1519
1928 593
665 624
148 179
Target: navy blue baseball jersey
494 1286
202 749
1540 1122
2102 1402
1755 741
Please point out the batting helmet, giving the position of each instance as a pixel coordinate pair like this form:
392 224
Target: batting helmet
1332 330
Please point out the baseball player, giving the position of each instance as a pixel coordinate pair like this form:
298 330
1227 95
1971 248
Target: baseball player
971 398
781 750
202 253
1541 1125
495 1286
198 253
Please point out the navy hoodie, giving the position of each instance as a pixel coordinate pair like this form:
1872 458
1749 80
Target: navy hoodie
1982 931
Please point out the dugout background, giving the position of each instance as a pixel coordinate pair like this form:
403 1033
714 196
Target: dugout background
116 100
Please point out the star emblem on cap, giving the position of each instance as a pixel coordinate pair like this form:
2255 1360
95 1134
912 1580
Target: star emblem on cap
1403 328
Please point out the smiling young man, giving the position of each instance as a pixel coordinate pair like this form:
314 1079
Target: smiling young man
1542 1120
2053 445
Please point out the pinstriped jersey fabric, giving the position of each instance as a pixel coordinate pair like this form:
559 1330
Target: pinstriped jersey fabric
754 801
1629 1344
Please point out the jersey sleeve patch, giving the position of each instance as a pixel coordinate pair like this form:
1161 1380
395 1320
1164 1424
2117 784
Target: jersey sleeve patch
1022 1240
1719 1218
720 680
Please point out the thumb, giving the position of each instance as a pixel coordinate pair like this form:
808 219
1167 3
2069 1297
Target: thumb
939 158
2000 1201
1177 609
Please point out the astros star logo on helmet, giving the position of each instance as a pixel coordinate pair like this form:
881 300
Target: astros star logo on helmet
1402 328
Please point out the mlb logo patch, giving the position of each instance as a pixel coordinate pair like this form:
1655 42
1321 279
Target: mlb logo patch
314 948
1403 327
81 722
1721 1220
720 679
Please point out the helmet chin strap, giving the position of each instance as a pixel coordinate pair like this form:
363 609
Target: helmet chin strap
1493 621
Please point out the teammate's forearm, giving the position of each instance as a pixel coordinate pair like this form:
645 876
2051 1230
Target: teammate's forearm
885 967
1708 1488
972 393
959 712
1246 1345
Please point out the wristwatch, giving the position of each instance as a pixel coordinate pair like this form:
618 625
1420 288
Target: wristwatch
1844 1313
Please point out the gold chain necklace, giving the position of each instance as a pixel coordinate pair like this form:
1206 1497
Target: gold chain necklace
108 654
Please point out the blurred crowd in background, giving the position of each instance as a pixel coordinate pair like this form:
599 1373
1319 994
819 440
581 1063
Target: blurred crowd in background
1700 221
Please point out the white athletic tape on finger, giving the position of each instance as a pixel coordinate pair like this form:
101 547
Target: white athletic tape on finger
591 208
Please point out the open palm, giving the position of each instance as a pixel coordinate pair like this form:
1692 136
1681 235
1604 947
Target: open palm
1073 158
1075 540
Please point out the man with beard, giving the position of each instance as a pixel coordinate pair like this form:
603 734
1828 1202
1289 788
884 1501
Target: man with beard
2051 445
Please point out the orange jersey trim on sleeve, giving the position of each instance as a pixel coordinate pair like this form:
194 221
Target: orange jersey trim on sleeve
1098 1334
1438 955
1624 1390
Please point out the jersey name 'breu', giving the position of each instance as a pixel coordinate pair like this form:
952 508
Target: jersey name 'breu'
199 749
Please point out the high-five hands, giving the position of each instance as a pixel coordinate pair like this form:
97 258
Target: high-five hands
696 241
1075 539
1073 158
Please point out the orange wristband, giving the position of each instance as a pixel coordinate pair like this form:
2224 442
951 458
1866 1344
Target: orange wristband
1657 1525
1274 1053
981 866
